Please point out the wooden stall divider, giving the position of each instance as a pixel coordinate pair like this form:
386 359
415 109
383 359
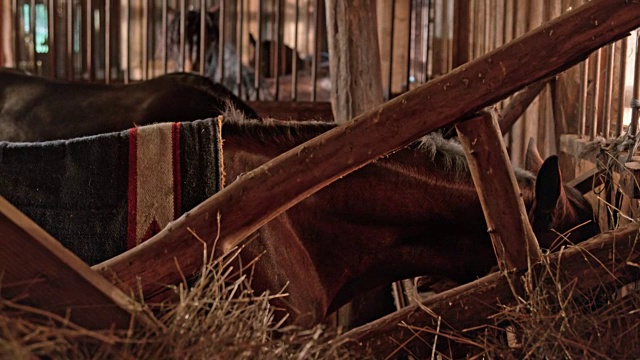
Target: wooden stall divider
37 270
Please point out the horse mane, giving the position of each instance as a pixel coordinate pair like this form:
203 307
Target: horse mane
451 154
272 131
434 146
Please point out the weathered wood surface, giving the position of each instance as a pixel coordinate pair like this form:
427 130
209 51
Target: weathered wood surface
513 240
37 270
519 104
354 60
461 52
271 189
356 79
609 258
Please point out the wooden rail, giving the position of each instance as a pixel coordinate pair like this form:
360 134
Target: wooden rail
37 270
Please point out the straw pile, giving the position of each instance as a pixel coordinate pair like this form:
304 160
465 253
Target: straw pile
218 317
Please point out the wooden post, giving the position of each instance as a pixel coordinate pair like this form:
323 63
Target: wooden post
40 272
461 33
7 57
499 193
465 90
356 80
354 60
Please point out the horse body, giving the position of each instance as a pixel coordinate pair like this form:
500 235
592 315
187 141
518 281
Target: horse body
412 213
39 109
415 212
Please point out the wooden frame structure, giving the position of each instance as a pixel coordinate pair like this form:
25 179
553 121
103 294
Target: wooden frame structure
482 82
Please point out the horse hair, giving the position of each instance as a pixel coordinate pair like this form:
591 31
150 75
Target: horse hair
433 145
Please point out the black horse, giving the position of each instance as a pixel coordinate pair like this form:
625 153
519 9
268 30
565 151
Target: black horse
39 109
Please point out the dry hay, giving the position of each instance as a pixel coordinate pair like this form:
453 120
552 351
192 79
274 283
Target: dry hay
554 322
218 317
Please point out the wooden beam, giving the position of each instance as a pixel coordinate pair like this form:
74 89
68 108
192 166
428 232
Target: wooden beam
513 240
356 78
37 270
519 104
587 181
264 193
607 259
354 61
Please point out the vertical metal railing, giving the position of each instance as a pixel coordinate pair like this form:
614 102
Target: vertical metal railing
316 49
51 37
294 60
258 51
622 85
239 50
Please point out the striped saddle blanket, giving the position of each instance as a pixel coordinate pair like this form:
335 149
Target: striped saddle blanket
101 195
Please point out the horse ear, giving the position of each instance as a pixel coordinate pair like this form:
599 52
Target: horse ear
533 161
549 188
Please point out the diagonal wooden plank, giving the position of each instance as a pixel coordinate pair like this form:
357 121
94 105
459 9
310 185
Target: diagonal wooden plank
37 270
513 240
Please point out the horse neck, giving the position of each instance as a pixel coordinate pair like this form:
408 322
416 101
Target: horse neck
251 143
398 217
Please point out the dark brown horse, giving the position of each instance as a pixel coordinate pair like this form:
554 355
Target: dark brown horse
38 109
412 213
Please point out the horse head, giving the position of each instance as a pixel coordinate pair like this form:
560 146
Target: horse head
559 213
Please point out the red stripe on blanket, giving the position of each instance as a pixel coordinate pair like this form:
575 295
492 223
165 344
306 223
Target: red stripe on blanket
177 191
132 195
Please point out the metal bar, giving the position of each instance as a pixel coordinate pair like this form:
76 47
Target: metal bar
89 34
294 65
145 39
51 38
203 35
69 47
584 78
392 31
221 40
32 30
127 55
165 24
410 24
417 36
633 127
608 91
182 44
239 49
276 60
622 84
316 50
596 94
258 51
14 32
152 42
426 47
107 41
